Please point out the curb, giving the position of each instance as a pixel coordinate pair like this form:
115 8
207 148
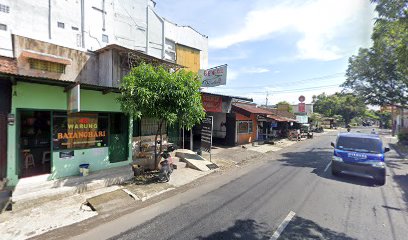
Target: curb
402 155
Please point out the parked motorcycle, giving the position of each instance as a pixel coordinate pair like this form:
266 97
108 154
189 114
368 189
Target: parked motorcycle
166 167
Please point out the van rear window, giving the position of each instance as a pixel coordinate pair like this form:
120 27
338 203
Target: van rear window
368 145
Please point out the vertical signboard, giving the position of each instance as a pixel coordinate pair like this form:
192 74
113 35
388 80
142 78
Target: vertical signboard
206 134
302 107
74 100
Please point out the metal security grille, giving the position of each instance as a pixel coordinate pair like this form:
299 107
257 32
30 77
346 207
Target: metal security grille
47 66
150 126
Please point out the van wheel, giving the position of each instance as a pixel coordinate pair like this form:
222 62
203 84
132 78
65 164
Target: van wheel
380 181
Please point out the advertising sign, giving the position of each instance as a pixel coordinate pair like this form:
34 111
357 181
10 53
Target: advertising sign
302 107
74 99
79 131
214 76
212 103
206 134
66 154
302 119
274 124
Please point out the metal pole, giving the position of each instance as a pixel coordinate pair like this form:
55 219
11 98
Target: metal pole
191 139
49 19
183 137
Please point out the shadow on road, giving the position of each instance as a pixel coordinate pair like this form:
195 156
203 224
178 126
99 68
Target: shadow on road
317 160
300 228
242 229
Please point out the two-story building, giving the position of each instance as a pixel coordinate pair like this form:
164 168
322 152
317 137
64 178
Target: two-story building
59 79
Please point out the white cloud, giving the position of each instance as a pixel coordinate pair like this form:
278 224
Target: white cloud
254 70
319 22
232 74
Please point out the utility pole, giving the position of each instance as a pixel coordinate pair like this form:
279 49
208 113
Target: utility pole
266 102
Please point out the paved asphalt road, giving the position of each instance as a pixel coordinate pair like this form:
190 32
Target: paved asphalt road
298 179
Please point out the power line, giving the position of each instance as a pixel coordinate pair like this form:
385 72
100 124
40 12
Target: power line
299 89
326 77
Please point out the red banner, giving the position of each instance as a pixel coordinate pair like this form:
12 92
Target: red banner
302 107
212 103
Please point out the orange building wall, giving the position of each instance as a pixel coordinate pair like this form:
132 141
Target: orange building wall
247 138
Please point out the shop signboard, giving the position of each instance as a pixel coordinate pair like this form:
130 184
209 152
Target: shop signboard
212 103
302 119
302 107
74 98
206 134
80 131
66 154
214 76
274 124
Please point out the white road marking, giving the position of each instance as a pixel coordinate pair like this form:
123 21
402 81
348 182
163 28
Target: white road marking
283 225
327 167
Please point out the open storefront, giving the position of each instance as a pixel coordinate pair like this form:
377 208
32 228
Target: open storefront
48 139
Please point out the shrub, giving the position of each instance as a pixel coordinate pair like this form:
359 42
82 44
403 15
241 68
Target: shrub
403 136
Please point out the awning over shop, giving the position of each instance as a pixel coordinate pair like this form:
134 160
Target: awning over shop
276 118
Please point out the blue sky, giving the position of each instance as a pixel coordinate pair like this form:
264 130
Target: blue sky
287 48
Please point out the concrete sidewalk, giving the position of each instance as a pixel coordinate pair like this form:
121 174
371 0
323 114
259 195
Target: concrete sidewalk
34 191
54 204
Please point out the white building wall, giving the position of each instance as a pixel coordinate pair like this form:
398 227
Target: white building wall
156 34
187 36
129 23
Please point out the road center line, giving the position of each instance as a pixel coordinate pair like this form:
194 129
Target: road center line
327 167
283 225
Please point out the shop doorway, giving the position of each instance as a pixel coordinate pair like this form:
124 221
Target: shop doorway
34 149
118 138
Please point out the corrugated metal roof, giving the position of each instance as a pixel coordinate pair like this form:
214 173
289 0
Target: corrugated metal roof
251 108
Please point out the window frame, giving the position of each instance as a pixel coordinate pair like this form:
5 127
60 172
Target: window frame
250 126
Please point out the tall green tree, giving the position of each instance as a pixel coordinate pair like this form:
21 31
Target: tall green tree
170 97
346 105
392 29
380 73
290 108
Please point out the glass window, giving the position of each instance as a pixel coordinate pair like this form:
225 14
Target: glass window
46 66
371 145
61 25
80 130
245 127
242 127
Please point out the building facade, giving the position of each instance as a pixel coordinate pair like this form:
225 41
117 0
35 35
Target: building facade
61 72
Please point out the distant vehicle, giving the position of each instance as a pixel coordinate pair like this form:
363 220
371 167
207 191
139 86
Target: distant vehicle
359 154
306 130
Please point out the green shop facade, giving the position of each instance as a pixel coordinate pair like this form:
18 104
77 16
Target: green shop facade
45 137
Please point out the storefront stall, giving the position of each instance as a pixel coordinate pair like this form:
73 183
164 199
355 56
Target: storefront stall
48 139
247 118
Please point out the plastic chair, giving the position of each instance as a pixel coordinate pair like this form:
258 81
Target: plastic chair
44 157
29 160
